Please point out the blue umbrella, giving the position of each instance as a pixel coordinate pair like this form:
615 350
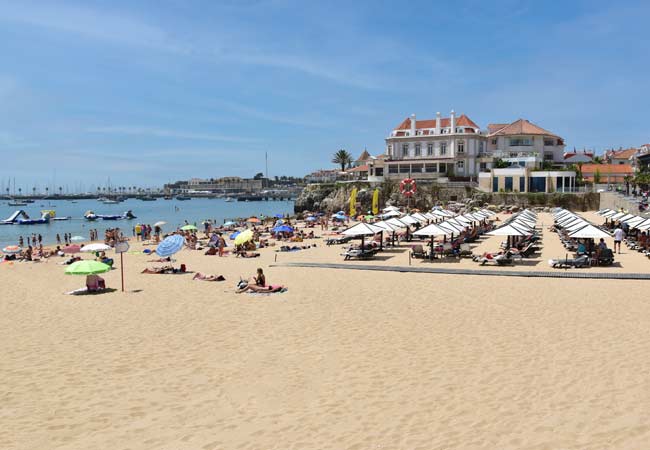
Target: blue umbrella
283 229
339 217
234 235
279 216
170 245
229 224
311 219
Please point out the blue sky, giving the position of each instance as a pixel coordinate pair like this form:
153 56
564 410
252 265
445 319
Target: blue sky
147 92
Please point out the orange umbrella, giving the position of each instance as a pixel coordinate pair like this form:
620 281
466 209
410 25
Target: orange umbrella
253 220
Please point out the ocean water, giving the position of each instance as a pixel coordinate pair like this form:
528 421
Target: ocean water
173 212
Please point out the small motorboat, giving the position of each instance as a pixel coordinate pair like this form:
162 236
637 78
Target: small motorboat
183 198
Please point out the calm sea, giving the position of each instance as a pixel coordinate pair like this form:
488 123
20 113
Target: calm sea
173 212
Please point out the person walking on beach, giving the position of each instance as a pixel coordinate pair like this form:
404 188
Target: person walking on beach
58 239
20 241
618 237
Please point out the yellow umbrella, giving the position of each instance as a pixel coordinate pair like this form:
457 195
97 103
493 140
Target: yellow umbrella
244 237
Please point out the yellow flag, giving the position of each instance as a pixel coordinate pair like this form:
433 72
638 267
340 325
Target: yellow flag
353 202
375 202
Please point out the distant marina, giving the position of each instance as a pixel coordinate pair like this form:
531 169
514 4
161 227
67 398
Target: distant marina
65 215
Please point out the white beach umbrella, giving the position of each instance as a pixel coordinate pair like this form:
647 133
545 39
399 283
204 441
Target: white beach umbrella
90 248
363 229
409 220
603 211
576 226
617 216
387 226
507 230
589 231
431 230
420 217
397 223
390 214
626 217
635 220
643 226
430 216
160 223
609 214
453 227
390 208
457 222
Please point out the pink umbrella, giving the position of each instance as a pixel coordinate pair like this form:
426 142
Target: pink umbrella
74 248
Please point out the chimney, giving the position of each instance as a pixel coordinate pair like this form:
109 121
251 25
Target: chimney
452 121
413 125
437 123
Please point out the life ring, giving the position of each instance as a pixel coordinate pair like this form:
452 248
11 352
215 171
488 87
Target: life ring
407 187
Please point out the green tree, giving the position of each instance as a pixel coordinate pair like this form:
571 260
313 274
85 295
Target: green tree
500 164
597 177
258 176
343 158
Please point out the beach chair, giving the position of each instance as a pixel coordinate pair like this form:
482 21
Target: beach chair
358 254
417 251
578 262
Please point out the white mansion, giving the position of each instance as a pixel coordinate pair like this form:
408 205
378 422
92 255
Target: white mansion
456 146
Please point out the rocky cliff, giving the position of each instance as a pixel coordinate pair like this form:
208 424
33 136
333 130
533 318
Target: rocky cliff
336 196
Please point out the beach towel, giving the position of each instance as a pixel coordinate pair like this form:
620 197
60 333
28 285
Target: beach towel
279 291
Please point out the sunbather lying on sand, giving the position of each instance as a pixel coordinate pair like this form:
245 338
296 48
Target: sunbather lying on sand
202 277
165 270
257 284
248 254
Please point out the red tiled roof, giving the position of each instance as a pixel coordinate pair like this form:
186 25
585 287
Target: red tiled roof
623 154
522 126
363 168
445 122
604 169
494 127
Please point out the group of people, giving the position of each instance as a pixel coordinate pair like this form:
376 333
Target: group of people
34 240
144 232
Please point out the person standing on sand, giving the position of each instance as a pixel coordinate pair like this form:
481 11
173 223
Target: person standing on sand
21 242
221 244
618 237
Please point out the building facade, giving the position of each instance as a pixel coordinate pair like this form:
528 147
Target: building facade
435 148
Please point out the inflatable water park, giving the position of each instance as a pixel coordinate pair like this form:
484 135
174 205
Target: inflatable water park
20 217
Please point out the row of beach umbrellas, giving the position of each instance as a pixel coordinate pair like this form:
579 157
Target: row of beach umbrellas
576 226
632 220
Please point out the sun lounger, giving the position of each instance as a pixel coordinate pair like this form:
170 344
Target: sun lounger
358 254
337 240
578 262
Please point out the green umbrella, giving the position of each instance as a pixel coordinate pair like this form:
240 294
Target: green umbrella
189 228
87 267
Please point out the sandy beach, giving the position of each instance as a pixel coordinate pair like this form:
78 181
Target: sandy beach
345 359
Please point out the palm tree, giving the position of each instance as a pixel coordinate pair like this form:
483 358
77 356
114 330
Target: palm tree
19 191
343 158
60 190
628 179
47 189
34 191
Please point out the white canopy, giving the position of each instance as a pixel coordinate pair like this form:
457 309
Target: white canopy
420 217
617 216
97 247
626 217
430 216
589 231
391 214
409 220
603 211
387 226
432 230
507 230
363 229
452 228
390 208
643 225
577 225
397 222
441 213
609 213
635 220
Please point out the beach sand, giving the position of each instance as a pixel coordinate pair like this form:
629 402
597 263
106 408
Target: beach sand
343 360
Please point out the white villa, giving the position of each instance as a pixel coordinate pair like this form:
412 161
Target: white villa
455 146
